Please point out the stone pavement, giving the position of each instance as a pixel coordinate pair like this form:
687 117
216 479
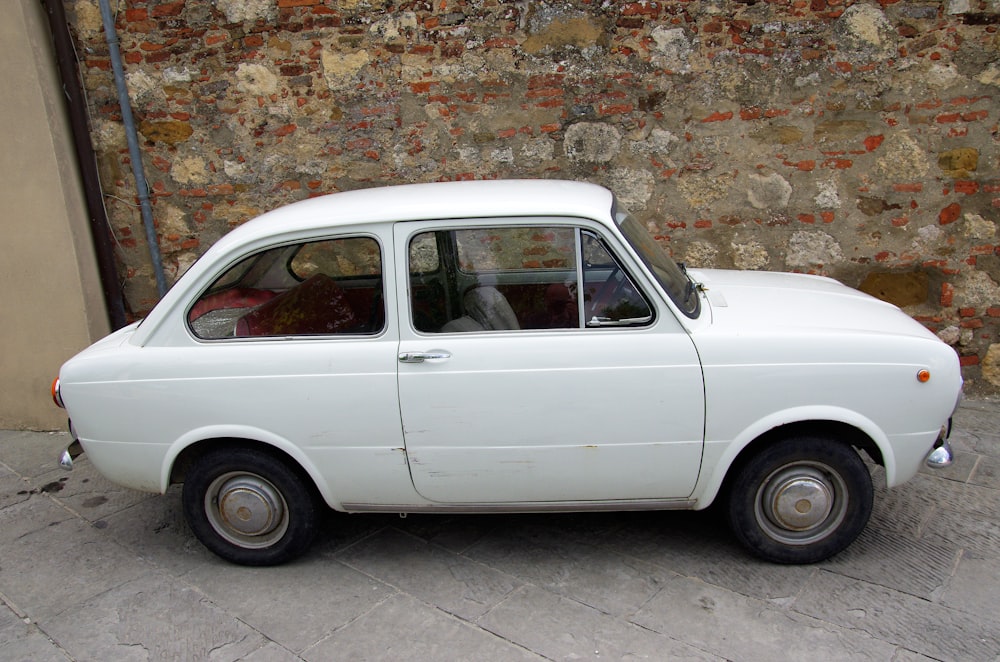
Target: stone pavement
90 571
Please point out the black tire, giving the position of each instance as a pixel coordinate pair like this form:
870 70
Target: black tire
249 507
801 500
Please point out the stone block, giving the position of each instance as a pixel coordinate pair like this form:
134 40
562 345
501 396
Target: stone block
901 289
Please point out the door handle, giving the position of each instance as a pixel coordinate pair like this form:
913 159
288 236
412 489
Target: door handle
420 357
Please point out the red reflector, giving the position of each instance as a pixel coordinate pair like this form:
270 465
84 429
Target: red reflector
56 398
923 376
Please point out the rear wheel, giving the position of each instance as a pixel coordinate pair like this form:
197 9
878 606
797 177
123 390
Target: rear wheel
249 507
801 500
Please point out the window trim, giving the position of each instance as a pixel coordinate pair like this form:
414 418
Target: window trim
579 227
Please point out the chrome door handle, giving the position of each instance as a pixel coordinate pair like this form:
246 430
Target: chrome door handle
420 357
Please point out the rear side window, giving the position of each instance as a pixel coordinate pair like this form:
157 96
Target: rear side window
318 288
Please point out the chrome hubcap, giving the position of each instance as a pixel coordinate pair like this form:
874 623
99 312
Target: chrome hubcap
801 503
246 509
250 507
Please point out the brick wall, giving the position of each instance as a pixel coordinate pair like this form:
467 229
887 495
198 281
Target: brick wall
853 140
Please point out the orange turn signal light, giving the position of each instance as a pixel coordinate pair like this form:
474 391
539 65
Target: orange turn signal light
923 376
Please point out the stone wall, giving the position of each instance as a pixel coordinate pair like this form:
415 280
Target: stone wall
853 140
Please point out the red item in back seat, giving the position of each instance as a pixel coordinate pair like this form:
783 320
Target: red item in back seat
235 298
317 306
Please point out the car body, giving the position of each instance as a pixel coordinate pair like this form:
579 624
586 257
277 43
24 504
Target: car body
504 346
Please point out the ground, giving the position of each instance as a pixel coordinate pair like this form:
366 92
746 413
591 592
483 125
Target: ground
90 571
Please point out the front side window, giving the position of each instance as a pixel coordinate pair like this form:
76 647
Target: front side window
514 278
317 288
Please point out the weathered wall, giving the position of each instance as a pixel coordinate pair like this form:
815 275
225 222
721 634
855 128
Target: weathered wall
854 140
51 303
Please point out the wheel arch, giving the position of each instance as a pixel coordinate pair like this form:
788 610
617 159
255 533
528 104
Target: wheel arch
850 428
186 451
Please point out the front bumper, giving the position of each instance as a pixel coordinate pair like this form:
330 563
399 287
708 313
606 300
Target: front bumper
941 455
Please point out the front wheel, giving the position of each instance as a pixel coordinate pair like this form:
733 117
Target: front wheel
801 500
249 507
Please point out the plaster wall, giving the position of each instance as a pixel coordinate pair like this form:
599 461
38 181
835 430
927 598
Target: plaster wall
50 296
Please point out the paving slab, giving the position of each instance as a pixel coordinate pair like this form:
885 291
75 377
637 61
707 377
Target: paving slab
428 634
928 628
295 605
559 628
92 571
20 639
456 584
152 617
737 627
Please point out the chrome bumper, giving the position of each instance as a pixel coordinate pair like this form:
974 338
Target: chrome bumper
941 455
74 451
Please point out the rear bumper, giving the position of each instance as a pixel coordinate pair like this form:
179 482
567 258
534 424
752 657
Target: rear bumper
73 451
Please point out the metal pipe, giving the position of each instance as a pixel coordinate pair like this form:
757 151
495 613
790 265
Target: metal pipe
76 109
142 186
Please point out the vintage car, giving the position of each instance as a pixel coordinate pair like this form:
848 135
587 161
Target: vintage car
504 346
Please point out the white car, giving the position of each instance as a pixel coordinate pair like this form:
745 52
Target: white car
504 346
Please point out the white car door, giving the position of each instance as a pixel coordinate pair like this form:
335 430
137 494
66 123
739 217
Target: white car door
600 400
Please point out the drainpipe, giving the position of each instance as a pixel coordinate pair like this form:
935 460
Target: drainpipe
141 185
76 109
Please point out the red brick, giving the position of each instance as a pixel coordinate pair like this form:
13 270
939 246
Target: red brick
546 81
221 189
618 109
838 164
872 142
501 42
650 9
950 214
168 9
719 116
947 294
544 93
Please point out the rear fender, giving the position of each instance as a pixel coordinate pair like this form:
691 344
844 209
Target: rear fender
236 433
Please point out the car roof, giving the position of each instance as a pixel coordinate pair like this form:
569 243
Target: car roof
389 204
439 200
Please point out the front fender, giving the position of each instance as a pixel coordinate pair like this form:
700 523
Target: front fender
720 455
218 432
